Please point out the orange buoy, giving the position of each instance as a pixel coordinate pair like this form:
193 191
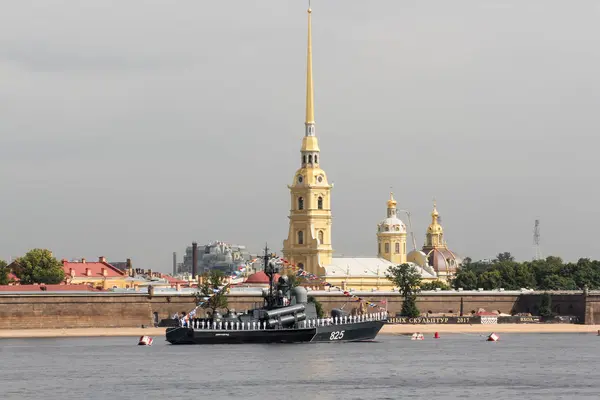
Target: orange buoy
436 336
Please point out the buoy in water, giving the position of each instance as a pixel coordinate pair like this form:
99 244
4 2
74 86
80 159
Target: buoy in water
493 338
436 336
145 341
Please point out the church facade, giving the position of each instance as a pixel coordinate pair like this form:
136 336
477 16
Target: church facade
309 241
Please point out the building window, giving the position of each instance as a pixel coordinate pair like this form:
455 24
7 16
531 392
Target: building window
404 247
379 248
387 247
310 158
321 237
304 159
300 237
320 203
397 248
387 228
316 159
300 265
300 203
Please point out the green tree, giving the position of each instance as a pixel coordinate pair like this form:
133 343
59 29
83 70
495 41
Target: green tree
295 280
212 295
318 306
4 279
408 279
546 305
490 280
409 306
434 285
505 256
39 266
465 279
557 282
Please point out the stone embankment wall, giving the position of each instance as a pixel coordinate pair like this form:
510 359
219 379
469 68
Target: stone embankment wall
134 310
592 309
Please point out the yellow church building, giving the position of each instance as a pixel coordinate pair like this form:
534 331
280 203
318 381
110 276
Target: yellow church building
309 244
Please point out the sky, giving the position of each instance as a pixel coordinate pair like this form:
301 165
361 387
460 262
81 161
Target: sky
129 129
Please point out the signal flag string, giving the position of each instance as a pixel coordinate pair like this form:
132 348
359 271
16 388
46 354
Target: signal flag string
302 272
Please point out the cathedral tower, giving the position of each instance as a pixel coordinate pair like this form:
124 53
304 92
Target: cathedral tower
391 235
309 239
434 238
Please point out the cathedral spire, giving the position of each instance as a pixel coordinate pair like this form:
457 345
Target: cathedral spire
310 112
310 144
434 213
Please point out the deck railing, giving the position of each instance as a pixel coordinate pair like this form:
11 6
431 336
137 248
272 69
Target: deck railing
202 324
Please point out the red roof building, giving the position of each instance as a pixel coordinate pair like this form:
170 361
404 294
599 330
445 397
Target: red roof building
259 279
99 274
98 268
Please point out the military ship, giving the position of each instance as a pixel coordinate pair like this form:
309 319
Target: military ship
285 317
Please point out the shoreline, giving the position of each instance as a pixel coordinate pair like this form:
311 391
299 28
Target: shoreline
404 329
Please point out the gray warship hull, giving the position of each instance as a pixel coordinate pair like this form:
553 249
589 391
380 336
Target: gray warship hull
348 332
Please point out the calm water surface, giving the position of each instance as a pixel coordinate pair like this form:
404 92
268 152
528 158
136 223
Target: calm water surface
457 366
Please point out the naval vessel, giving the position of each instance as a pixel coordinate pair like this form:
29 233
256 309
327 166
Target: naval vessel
285 317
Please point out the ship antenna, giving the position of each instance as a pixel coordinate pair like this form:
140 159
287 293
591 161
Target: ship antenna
270 272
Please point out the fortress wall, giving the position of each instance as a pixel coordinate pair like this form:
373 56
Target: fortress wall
134 310
592 309
72 311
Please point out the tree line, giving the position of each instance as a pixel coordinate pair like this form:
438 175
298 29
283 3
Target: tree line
547 274
502 272
37 266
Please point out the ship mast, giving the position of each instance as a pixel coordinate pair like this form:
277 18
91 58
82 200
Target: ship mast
270 272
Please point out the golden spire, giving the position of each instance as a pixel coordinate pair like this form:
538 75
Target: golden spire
310 112
434 213
391 202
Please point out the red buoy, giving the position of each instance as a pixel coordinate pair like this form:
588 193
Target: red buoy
493 338
436 336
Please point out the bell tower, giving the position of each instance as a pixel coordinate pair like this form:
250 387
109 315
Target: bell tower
434 238
309 239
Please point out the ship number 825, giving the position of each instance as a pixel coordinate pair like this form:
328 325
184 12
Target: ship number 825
336 335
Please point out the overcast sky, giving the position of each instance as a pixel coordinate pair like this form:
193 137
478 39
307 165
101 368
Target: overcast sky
131 128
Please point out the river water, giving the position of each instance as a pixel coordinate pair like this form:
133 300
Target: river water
456 366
